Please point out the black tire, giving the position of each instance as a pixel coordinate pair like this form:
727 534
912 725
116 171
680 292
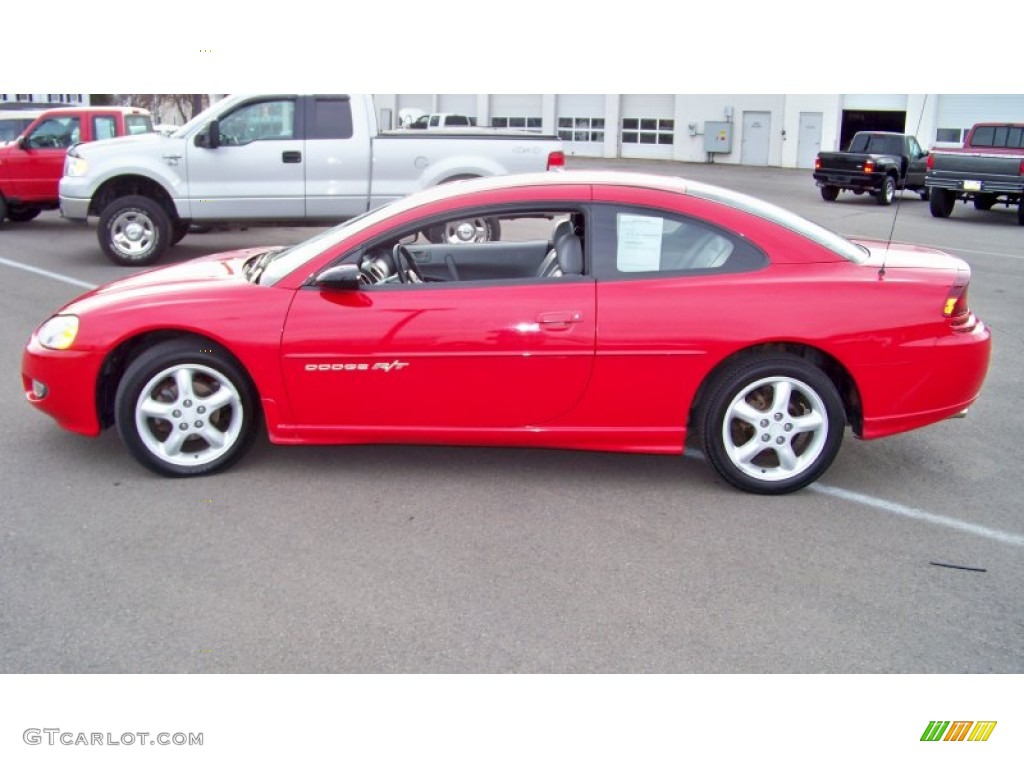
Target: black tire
23 214
478 230
3 210
829 193
180 229
923 192
941 203
181 432
134 231
887 193
807 432
984 202
1020 212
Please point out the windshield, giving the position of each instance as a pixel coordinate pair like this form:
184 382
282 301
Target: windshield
281 263
791 221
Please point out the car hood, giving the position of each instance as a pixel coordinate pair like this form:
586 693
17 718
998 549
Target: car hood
119 143
189 281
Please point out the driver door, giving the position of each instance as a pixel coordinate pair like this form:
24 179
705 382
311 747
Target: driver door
497 354
35 166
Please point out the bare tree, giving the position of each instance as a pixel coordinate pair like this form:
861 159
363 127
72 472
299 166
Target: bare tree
166 107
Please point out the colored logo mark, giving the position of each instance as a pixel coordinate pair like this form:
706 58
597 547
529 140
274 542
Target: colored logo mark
958 730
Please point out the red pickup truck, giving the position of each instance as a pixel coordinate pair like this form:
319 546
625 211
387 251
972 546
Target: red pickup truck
32 164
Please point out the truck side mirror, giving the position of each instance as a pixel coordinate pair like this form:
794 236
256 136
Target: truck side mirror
210 138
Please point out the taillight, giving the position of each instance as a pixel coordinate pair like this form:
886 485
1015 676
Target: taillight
931 161
869 166
956 307
1021 169
817 163
556 160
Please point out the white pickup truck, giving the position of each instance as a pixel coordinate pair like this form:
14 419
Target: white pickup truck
277 159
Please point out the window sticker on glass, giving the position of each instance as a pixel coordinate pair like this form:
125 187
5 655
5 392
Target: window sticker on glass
639 243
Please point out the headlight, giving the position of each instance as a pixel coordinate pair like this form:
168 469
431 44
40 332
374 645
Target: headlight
75 166
58 332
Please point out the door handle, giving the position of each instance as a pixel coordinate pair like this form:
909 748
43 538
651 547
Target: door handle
291 157
559 318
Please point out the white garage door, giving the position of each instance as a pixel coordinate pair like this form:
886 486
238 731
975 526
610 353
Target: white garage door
458 103
579 121
958 112
647 126
517 111
875 101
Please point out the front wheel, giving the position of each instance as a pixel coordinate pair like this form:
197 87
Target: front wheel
772 424
941 203
186 408
887 193
829 193
134 231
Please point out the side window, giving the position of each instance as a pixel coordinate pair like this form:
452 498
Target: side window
639 242
136 124
104 127
261 121
55 133
435 121
915 148
332 119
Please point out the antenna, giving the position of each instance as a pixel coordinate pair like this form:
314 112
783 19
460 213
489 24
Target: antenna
896 212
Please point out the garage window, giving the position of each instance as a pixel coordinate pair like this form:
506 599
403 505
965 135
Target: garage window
648 130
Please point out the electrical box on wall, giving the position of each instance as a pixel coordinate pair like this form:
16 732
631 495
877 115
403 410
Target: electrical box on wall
717 137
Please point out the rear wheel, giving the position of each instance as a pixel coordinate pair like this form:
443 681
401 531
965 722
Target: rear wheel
772 424
941 203
478 230
829 193
887 193
185 407
23 214
1020 212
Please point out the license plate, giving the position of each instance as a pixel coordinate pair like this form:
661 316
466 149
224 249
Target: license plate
972 186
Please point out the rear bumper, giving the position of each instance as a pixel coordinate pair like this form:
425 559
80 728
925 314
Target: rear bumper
849 180
975 186
937 382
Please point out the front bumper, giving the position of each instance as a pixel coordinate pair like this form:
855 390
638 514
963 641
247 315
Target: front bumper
74 198
69 378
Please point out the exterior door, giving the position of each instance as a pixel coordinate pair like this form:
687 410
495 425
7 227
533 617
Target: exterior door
809 139
259 167
35 169
756 138
421 356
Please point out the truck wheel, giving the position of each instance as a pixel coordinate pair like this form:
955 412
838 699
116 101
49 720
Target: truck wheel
941 203
134 231
887 193
984 202
181 228
3 210
1020 212
478 230
23 214
829 193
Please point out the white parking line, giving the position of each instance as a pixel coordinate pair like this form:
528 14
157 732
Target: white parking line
46 273
919 514
899 509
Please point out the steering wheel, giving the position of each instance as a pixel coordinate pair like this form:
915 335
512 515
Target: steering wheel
405 265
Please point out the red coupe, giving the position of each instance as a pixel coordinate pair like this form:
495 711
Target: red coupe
615 312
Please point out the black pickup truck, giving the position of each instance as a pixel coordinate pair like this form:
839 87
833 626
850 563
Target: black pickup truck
988 170
876 162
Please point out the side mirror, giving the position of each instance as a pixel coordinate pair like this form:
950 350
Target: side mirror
209 138
344 276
